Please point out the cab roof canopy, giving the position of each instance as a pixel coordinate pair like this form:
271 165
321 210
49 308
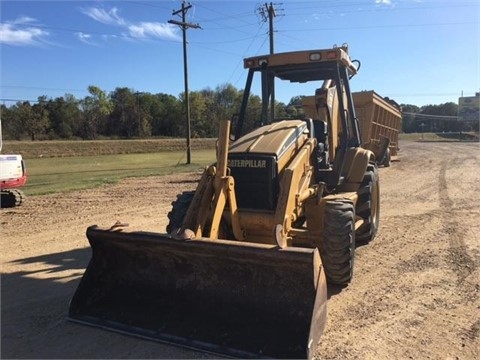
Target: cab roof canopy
303 66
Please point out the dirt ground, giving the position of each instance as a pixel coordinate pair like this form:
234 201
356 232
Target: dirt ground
415 293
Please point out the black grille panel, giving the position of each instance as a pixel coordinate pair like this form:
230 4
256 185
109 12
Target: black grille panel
256 180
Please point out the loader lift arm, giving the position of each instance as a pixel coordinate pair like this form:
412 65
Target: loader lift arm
217 189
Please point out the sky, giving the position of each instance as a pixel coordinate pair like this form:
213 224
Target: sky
420 52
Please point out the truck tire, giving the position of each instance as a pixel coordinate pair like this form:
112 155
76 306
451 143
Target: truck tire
337 246
368 205
179 210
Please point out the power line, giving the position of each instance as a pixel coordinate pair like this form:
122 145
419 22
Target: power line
224 41
427 94
245 53
357 7
428 116
200 45
380 26
223 15
18 100
40 88
147 4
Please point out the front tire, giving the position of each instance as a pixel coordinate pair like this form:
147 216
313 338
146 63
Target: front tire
179 210
337 246
368 205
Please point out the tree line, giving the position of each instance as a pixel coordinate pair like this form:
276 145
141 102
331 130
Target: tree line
125 113
435 118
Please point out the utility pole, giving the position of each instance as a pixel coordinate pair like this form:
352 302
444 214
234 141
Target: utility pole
137 93
271 14
184 25
268 11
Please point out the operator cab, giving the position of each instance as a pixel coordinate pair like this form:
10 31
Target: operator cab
334 134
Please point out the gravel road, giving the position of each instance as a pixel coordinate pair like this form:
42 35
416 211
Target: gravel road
415 293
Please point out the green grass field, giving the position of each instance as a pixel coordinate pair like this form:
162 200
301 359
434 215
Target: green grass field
63 148
51 175
58 166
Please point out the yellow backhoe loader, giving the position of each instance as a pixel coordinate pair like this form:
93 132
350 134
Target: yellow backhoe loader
244 265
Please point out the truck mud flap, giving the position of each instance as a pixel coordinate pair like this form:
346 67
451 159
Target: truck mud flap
383 146
241 299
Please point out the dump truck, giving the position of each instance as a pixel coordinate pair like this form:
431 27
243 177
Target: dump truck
243 267
380 121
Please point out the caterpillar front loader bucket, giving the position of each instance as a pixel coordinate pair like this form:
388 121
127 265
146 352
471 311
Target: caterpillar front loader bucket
226 297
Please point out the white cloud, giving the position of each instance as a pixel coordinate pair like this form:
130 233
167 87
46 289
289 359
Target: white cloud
18 33
109 36
109 17
22 20
133 31
85 38
146 30
383 2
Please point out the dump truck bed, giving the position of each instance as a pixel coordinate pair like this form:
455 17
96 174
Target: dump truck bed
377 118
380 121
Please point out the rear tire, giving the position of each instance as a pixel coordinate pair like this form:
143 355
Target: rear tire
337 246
179 210
368 205
11 198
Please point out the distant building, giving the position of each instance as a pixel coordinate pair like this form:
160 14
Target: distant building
469 107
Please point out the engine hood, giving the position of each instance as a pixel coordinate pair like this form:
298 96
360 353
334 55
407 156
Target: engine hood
274 139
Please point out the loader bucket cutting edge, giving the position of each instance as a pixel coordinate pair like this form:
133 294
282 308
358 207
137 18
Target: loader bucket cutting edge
226 297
